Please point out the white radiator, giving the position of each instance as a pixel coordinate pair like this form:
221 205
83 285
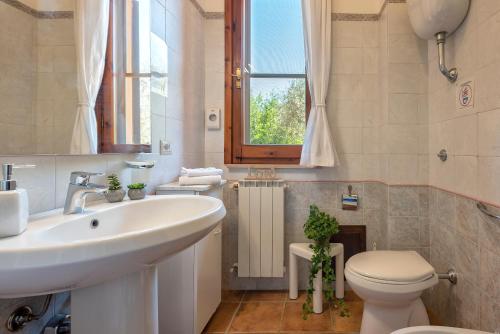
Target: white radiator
261 228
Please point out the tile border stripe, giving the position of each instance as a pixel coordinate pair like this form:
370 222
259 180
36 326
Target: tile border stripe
354 17
477 199
39 14
335 16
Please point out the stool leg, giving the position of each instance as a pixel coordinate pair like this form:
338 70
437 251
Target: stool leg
318 293
339 275
294 285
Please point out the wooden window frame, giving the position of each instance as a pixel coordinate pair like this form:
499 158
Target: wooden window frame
105 104
235 150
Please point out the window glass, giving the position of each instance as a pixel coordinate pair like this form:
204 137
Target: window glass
274 87
132 72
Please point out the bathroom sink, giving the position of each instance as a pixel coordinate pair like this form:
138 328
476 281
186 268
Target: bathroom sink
66 252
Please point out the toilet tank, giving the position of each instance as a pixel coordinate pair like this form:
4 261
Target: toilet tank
429 17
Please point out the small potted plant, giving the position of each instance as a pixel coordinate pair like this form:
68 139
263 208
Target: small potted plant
319 228
115 193
136 191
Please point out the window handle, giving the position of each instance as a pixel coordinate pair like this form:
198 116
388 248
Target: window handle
237 75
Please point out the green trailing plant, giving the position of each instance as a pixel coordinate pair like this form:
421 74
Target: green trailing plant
136 186
319 228
342 307
114 182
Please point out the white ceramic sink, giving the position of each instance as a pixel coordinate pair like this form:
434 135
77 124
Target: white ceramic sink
59 253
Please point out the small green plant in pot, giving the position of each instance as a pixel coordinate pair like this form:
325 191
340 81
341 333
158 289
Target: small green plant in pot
136 191
319 228
115 193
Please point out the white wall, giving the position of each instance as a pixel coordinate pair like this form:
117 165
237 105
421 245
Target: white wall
471 136
404 133
374 142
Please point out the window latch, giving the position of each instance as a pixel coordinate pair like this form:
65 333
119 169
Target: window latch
237 75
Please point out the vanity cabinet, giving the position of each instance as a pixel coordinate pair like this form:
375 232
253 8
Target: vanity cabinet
189 283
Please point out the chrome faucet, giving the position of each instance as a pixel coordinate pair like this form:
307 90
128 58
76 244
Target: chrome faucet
78 190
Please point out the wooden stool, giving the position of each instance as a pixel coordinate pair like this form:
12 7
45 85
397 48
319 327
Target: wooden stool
302 250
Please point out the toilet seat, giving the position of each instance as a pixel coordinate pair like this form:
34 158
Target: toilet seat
391 267
389 287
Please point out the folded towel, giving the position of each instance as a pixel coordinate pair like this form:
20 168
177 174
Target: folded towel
201 171
200 180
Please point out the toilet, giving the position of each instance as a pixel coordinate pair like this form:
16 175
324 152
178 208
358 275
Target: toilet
390 284
437 330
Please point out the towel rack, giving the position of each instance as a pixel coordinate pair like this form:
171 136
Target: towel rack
484 210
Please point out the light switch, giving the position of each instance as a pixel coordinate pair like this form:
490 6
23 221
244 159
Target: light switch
212 119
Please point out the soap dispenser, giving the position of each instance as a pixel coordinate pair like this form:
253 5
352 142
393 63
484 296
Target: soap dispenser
14 208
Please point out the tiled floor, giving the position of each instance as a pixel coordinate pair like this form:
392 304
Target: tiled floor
274 312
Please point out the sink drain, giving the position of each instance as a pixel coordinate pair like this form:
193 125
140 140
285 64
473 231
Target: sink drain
94 223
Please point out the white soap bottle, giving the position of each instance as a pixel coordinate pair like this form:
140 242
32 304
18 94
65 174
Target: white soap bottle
14 206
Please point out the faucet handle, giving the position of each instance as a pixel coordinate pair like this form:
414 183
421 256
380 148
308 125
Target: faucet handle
82 178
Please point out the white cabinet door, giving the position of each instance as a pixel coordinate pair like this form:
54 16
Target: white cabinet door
176 293
208 267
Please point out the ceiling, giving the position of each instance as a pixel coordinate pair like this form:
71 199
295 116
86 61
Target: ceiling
339 6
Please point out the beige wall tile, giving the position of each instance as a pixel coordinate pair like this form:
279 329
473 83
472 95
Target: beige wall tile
407 49
489 179
347 34
465 135
466 174
407 78
403 108
489 133
347 60
398 20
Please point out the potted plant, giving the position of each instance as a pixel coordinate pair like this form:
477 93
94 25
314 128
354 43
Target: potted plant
319 228
115 193
136 191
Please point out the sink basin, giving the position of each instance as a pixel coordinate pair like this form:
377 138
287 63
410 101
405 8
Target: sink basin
58 253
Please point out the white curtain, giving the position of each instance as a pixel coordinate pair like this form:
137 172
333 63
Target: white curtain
91 31
318 149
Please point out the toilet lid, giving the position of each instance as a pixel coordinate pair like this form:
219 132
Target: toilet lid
395 266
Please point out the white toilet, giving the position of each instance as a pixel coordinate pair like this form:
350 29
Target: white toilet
436 330
390 284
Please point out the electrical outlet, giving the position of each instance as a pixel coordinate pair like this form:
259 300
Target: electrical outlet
165 147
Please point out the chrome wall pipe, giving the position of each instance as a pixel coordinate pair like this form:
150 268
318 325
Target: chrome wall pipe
451 276
451 74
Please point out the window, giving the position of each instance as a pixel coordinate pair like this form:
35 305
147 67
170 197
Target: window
123 107
267 97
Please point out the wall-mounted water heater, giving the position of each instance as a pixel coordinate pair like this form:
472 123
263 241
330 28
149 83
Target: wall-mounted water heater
437 19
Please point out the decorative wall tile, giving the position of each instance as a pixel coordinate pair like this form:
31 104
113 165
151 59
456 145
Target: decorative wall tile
403 201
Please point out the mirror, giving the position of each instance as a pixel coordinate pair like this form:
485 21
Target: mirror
40 94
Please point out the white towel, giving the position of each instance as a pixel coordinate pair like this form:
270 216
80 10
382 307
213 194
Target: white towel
200 180
201 171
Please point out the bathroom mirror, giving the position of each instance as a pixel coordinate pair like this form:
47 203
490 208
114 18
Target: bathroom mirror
41 106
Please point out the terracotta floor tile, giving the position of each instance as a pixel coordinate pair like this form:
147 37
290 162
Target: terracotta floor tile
351 323
292 319
434 319
231 296
221 320
264 296
258 317
350 296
